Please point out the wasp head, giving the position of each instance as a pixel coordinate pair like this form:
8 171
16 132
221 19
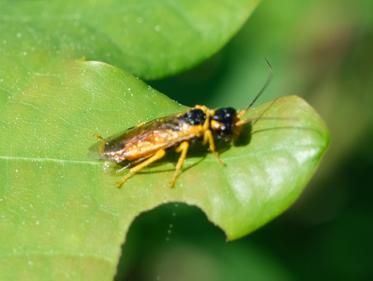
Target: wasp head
223 122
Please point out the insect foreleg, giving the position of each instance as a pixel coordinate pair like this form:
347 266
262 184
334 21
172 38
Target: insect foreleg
209 138
158 155
183 149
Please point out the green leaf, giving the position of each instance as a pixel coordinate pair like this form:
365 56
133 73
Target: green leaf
61 216
151 39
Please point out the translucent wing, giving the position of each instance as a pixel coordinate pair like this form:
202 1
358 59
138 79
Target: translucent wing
145 139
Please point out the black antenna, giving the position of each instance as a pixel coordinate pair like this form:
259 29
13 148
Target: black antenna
266 84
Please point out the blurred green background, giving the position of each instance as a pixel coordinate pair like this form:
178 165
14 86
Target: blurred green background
322 51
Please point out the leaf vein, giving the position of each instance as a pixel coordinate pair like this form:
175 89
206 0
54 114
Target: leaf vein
56 160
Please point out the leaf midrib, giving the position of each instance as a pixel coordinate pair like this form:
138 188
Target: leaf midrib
97 163
56 160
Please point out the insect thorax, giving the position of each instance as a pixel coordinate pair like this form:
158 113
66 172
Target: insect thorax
194 117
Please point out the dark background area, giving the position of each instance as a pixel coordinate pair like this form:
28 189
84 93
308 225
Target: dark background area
322 51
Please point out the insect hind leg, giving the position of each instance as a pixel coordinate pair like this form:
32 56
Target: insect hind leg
158 155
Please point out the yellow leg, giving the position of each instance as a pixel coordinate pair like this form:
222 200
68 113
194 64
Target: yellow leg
183 149
209 138
158 155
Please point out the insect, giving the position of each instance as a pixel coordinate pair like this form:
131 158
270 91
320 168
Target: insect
148 142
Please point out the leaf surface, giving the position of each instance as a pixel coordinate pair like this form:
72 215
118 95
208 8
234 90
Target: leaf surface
61 216
149 38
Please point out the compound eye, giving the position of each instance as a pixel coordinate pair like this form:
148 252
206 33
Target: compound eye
224 114
195 117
